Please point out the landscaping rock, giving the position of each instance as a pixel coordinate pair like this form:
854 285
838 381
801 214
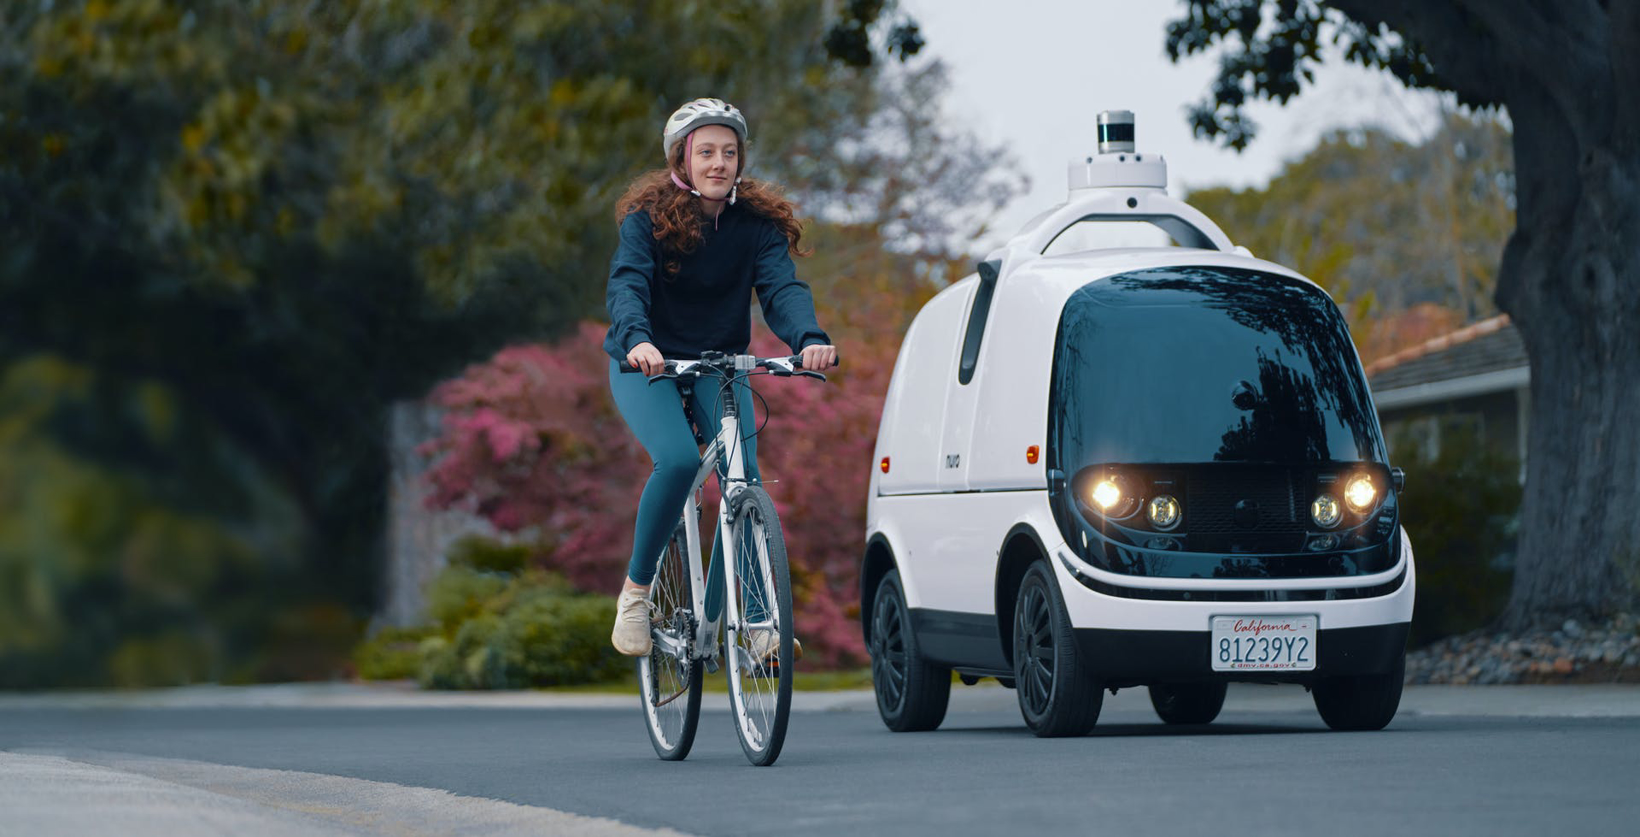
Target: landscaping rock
1572 653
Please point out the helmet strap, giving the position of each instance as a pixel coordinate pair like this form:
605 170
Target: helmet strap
677 181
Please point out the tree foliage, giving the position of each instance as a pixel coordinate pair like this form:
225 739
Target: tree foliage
849 39
1269 50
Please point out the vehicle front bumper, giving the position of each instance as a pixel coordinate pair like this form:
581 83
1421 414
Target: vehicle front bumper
1129 658
1130 639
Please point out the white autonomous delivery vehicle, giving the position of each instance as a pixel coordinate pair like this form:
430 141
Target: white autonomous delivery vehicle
1128 467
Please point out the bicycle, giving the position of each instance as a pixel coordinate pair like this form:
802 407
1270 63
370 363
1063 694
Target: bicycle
685 644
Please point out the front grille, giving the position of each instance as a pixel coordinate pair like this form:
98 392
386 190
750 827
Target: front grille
1213 493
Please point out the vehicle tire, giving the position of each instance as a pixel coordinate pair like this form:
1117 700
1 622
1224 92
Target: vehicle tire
1361 702
760 687
1188 703
912 693
670 686
1058 693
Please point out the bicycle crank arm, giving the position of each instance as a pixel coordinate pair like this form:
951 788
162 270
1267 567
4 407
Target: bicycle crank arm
670 645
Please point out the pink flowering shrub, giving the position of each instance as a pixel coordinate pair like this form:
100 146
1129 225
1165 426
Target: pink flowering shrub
532 439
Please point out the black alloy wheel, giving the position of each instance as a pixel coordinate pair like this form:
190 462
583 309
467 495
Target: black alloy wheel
1033 650
912 693
888 652
1058 692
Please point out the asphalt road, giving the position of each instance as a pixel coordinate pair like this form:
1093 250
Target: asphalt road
1264 768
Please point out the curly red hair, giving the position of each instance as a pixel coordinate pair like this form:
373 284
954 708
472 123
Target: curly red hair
677 214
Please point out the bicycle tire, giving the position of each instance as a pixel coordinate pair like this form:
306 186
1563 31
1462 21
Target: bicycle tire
760 687
669 687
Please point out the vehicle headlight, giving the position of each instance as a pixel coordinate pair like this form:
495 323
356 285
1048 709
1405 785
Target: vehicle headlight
1113 498
1107 494
1360 493
1325 511
1163 512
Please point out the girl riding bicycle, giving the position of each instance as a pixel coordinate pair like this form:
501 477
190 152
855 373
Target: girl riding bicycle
697 240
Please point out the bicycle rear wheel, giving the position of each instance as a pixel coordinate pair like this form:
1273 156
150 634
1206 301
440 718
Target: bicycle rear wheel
669 677
759 647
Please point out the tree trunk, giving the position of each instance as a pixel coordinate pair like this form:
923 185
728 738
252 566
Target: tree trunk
1571 283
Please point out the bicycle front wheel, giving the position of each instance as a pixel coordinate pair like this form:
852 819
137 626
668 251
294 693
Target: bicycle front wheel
759 645
670 677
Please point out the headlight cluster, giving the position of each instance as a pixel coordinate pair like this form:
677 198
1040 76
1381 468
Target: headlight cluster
1114 498
1359 494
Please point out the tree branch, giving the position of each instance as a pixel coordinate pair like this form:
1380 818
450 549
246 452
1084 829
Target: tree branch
1467 58
1485 49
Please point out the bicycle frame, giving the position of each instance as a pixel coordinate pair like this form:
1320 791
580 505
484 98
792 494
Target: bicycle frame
727 443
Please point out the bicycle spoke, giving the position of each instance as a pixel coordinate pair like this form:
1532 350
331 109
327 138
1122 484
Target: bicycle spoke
670 685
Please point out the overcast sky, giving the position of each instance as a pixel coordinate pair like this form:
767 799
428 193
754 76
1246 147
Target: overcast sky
1033 75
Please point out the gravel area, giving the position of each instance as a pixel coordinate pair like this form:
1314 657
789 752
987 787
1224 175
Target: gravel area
1573 653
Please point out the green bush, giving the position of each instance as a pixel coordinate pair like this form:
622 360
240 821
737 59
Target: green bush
495 628
458 594
392 654
564 639
480 553
1461 512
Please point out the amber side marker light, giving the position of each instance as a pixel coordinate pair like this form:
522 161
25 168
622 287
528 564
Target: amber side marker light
883 464
1032 453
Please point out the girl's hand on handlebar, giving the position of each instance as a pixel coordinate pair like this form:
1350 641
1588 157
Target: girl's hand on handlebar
646 359
819 358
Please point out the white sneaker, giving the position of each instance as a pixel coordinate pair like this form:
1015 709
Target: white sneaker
764 643
631 634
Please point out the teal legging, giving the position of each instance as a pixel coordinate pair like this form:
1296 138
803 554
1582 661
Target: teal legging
655 414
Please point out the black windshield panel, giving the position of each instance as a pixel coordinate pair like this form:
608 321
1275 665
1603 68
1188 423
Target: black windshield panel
1207 364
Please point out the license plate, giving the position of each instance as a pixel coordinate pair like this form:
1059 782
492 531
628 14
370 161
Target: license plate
1264 643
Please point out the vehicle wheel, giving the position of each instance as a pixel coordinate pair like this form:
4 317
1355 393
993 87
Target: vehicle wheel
912 693
1188 703
1058 694
1363 702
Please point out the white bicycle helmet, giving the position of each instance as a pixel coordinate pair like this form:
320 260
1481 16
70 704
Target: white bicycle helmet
697 113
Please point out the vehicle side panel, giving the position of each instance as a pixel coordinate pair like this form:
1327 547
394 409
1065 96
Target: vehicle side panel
955 558
913 416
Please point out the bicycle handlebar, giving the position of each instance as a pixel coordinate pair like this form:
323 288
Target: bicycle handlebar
723 364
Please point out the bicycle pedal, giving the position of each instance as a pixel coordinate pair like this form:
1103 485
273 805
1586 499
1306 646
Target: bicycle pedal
711 664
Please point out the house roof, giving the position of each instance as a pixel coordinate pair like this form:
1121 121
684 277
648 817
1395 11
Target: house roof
1489 346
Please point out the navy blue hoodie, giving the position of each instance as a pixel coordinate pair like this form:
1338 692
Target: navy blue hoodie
706 305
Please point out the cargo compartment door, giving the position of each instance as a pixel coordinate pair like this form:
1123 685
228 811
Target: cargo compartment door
962 389
964 552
